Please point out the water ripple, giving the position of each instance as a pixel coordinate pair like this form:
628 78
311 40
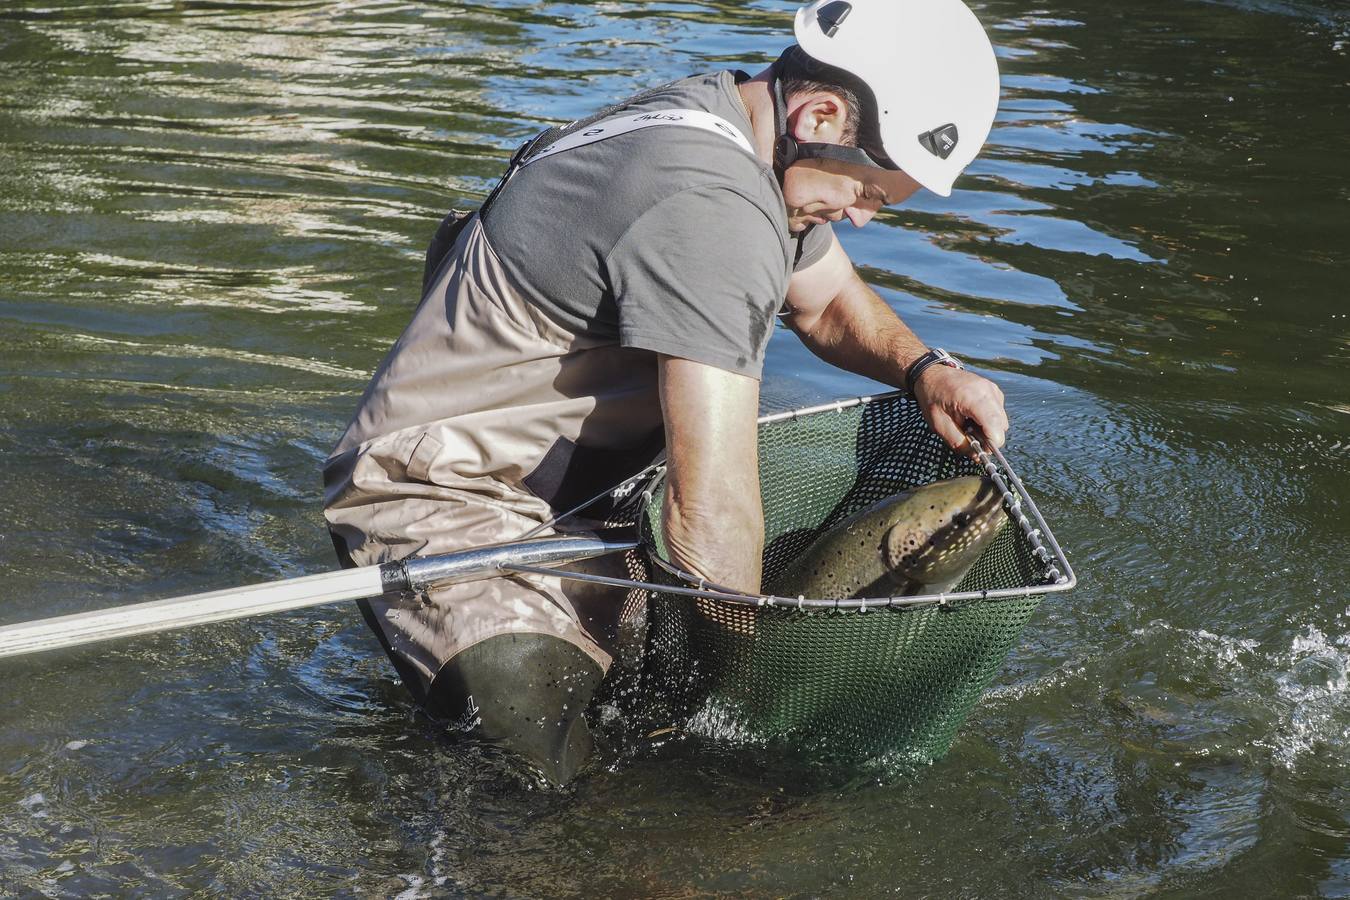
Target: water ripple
213 221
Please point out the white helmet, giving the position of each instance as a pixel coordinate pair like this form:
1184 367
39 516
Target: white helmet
931 73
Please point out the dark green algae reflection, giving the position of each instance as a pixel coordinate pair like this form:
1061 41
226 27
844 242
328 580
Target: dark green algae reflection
210 228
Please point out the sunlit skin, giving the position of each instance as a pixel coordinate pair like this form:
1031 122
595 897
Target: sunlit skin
817 191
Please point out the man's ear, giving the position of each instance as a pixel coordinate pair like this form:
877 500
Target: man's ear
820 119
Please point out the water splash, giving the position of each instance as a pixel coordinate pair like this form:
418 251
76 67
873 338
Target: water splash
1312 683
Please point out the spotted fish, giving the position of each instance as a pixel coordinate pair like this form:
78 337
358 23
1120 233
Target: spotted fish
921 541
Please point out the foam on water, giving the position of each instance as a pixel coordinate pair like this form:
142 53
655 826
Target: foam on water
1304 685
1225 650
1312 683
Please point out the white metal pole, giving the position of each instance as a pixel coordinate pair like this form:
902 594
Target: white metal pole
312 590
196 609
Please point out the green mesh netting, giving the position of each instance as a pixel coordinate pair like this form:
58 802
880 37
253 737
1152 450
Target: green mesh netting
862 684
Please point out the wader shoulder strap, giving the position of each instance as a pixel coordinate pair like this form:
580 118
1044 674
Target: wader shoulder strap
690 118
604 125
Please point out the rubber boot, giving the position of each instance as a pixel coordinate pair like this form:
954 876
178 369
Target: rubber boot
524 692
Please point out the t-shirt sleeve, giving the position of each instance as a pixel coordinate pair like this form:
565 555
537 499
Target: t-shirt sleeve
814 245
699 276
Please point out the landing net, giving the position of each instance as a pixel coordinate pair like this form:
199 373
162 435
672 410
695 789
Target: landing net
880 677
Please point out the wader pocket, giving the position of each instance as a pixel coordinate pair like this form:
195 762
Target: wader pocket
423 458
571 473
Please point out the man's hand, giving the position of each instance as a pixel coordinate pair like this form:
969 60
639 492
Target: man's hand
846 324
950 397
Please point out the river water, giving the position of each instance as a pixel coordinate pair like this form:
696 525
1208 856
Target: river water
211 225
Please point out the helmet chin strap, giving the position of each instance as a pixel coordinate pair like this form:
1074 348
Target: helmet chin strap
784 145
787 150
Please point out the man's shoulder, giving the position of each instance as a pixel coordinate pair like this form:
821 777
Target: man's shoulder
679 157
674 158
633 172
699 210
710 92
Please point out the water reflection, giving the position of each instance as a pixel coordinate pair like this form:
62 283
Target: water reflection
213 221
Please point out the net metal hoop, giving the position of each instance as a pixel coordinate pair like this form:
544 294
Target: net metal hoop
1021 509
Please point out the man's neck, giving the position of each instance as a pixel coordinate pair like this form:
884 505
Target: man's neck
757 96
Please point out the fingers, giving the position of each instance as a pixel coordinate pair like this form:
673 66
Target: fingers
954 398
990 416
947 429
980 401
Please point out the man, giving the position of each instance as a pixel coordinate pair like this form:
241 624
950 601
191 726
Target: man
615 294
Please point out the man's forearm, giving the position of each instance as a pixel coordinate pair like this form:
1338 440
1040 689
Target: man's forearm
721 542
711 517
857 331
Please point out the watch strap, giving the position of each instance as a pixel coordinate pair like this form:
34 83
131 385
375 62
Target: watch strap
935 357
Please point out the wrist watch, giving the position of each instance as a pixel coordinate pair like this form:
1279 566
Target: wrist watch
935 357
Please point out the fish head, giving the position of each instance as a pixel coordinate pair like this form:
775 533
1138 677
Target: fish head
940 530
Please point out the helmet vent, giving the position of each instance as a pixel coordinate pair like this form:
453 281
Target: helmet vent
941 141
832 15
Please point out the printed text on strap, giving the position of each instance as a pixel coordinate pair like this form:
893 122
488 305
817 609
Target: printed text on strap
613 127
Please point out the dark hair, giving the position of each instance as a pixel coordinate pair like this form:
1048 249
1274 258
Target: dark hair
800 74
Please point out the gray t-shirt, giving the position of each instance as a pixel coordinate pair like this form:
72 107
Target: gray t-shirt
671 238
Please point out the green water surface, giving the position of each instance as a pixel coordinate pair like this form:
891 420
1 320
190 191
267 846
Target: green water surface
212 215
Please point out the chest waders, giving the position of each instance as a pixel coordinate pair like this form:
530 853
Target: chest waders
485 419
